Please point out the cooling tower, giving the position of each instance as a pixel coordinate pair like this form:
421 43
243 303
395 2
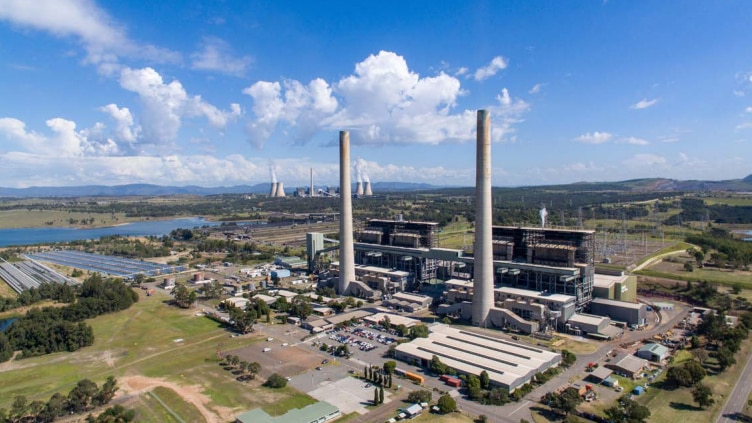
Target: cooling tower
483 282
280 190
359 188
367 190
346 249
273 192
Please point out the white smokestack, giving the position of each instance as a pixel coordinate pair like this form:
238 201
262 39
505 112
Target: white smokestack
311 193
346 247
280 190
483 283
543 215
273 191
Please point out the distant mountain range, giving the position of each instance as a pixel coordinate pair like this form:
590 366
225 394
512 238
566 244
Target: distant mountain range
157 190
648 184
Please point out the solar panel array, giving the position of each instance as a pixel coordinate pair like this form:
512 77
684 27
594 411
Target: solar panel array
110 265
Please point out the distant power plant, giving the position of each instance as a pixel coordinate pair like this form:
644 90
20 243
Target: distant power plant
277 188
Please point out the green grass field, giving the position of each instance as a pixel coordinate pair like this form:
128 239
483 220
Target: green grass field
141 341
23 218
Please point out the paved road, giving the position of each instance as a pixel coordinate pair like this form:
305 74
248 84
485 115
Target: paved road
735 403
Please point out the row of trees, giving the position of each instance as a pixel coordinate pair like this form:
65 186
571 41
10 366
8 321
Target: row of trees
47 291
52 329
244 369
85 396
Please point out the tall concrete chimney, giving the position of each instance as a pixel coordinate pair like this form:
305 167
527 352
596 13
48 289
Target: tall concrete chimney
273 192
359 188
280 189
346 249
483 283
311 193
367 190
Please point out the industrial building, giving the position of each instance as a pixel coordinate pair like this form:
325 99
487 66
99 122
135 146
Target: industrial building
633 314
653 352
319 412
617 287
627 365
509 365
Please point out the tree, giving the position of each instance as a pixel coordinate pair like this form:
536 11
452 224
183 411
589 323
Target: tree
419 331
275 381
116 414
254 368
389 366
381 394
725 358
183 297
447 321
485 380
107 392
243 320
689 267
386 323
564 402
6 350
437 366
678 376
213 289
81 396
567 358
696 371
627 411
703 396
447 404
375 396
422 395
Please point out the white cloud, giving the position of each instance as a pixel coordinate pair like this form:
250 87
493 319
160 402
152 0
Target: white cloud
497 63
65 141
745 125
102 37
634 141
125 129
644 160
166 104
535 89
461 71
644 104
216 55
739 93
595 138
748 109
382 102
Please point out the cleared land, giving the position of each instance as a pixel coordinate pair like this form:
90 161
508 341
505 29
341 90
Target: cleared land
23 218
710 274
141 347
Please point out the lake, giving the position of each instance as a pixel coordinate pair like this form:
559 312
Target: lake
30 236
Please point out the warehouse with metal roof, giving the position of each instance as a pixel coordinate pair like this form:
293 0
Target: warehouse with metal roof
508 364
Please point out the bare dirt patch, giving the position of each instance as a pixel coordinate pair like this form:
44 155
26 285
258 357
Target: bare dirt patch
137 385
286 361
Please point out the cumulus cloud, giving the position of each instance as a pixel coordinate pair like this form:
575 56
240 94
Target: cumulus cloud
166 104
101 36
300 106
748 109
497 63
644 104
125 129
216 55
382 102
65 140
595 138
634 141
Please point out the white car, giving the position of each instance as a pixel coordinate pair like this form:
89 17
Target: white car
267 349
285 344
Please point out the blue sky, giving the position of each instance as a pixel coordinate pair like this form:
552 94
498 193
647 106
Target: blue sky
216 93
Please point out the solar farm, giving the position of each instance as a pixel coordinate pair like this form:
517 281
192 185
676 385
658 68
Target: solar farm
29 274
110 265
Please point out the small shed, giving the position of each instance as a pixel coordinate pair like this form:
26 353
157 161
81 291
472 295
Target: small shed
653 352
611 382
638 390
600 374
414 410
